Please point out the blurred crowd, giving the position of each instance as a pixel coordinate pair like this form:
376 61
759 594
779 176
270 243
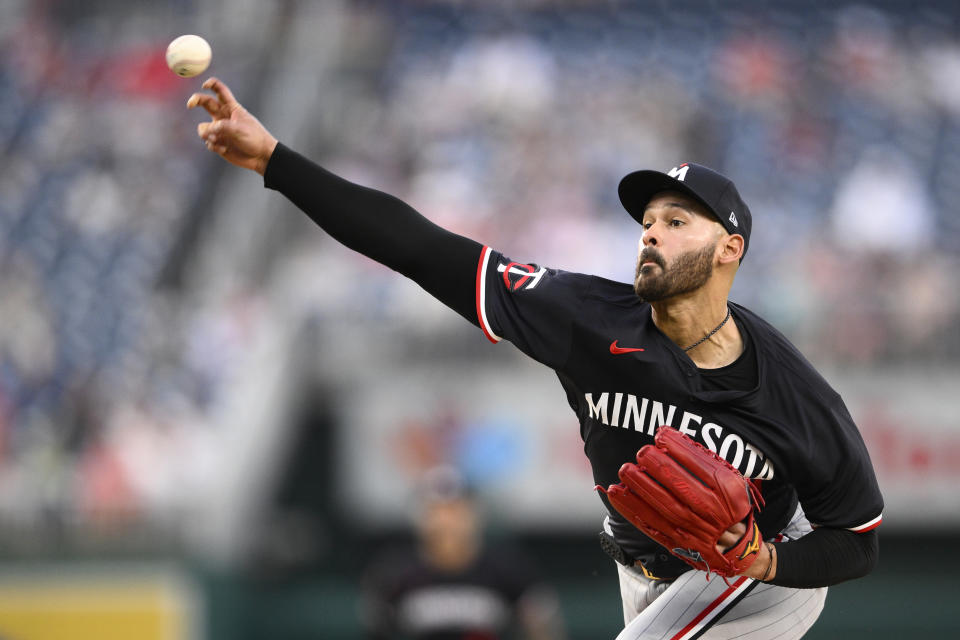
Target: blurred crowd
104 379
838 123
510 124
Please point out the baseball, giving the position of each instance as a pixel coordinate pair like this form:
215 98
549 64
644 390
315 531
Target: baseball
188 55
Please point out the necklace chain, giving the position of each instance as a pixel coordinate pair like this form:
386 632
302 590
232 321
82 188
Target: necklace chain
707 337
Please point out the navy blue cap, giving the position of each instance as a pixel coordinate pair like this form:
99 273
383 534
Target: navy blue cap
711 189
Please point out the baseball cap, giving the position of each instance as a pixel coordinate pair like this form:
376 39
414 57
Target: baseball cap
710 188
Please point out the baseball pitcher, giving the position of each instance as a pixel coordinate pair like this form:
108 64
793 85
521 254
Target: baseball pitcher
737 486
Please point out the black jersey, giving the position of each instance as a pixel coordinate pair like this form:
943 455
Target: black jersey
406 597
788 430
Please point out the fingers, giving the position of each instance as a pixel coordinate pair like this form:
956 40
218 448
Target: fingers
209 130
220 105
217 129
220 149
729 538
223 93
216 135
206 132
208 102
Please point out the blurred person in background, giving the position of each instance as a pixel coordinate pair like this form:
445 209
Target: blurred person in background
452 585
741 388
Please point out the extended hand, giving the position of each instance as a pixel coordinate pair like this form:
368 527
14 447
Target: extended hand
233 132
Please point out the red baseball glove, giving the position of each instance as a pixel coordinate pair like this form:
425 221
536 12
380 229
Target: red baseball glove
685 497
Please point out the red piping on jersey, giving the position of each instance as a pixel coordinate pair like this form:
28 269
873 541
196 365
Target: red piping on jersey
869 526
710 607
480 311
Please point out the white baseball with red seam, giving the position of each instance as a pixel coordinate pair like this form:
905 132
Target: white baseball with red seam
188 55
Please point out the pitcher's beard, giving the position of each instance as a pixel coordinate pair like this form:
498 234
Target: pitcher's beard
688 272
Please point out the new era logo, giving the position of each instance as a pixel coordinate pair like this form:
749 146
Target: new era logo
733 219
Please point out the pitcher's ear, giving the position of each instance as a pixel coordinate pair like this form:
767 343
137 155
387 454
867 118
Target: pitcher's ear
731 248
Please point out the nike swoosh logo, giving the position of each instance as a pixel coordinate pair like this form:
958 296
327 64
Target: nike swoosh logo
615 350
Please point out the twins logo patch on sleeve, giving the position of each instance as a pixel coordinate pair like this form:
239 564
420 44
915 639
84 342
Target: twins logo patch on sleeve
518 276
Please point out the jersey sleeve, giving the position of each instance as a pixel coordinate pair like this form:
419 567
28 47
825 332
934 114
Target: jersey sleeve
838 486
381 227
529 305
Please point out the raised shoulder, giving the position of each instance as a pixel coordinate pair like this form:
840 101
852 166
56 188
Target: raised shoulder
613 292
780 360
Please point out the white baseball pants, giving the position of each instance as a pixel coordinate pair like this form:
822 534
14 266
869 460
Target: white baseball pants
691 607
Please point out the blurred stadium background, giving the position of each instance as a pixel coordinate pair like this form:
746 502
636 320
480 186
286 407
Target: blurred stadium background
211 414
